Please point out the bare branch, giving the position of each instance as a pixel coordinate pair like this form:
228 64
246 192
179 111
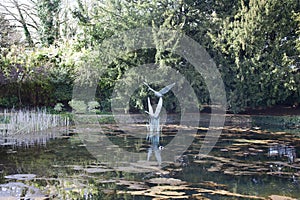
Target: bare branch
10 13
19 17
30 15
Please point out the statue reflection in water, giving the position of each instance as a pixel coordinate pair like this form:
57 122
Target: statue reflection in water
154 127
157 152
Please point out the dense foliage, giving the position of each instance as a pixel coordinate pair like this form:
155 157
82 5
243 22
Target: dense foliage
259 45
255 44
48 13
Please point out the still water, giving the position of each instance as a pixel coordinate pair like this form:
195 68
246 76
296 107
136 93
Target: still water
245 163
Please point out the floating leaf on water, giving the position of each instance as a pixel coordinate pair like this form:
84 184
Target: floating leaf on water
137 187
234 148
76 167
147 165
97 170
134 185
199 197
21 176
245 173
253 141
166 181
280 173
227 193
132 169
262 170
240 144
216 168
161 192
256 127
277 197
213 184
107 181
172 193
108 191
224 150
204 161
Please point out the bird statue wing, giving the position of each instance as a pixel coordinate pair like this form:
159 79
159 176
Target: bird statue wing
158 107
150 108
146 84
166 89
149 87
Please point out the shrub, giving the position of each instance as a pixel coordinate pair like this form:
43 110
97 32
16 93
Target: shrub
8 102
93 105
58 107
78 106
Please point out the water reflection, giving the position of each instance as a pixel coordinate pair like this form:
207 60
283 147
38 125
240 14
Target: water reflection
30 140
155 148
66 170
283 151
15 190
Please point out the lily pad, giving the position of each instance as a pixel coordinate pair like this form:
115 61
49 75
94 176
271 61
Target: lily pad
212 184
166 181
21 176
277 197
253 141
133 185
227 193
161 192
97 170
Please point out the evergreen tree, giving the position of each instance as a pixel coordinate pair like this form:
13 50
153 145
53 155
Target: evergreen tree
258 46
105 19
48 13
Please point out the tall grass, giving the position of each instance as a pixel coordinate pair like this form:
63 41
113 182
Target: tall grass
29 121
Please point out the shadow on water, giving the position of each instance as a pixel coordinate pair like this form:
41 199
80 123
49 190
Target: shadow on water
246 163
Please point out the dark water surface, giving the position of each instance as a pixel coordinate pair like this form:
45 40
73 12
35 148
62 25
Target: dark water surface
246 163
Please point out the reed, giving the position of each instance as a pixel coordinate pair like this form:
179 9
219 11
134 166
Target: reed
29 121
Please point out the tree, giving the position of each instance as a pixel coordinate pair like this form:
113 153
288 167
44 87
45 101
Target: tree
8 33
48 14
104 19
40 20
258 46
22 14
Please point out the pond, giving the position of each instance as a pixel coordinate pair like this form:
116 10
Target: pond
246 163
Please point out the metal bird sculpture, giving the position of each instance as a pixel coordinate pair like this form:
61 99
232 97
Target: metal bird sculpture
157 110
161 92
154 125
